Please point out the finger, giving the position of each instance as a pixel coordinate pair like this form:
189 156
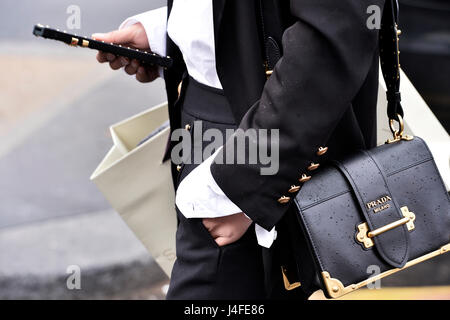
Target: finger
142 75
208 223
146 74
153 73
124 61
223 241
101 57
116 36
115 64
130 69
110 57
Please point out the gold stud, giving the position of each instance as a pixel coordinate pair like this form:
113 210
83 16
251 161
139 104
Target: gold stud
178 168
399 32
321 151
304 178
284 199
187 127
294 189
74 41
313 166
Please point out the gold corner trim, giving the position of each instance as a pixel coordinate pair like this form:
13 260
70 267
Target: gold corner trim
287 285
336 289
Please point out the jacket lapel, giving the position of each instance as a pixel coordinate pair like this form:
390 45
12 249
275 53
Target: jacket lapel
218 8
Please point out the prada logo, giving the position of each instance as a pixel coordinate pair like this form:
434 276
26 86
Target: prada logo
379 204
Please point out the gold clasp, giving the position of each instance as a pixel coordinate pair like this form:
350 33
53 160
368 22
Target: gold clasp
398 133
287 285
365 236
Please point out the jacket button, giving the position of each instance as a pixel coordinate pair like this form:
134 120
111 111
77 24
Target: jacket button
321 151
313 166
178 168
284 200
187 127
294 189
304 178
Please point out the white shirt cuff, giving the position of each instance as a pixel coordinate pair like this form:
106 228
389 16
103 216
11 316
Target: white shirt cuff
199 196
155 25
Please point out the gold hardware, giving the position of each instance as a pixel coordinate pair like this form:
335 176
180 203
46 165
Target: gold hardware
412 217
287 285
304 178
268 71
382 200
74 41
313 166
388 227
397 40
284 199
178 168
187 127
85 43
336 289
321 151
294 189
398 134
364 235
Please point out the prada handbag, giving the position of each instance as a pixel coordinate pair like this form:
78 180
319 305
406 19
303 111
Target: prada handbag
385 208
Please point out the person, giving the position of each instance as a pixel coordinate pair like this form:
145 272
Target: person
235 225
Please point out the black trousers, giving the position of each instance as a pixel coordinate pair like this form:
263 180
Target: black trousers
203 270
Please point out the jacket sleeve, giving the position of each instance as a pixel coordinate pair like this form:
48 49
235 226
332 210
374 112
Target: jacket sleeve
327 54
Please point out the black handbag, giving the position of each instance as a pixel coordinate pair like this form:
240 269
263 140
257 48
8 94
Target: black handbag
386 207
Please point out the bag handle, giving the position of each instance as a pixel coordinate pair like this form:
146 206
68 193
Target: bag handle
389 54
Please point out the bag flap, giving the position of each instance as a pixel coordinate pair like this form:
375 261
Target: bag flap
378 205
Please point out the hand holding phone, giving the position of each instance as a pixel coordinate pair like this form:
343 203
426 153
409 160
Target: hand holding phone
128 48
134 36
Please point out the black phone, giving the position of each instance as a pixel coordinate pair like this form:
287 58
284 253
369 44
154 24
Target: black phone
144 57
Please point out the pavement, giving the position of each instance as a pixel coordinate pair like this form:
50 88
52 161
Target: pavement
56 105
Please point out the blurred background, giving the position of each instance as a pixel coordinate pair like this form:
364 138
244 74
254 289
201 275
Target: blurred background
56 106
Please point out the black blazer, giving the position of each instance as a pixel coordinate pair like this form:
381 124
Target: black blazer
322 93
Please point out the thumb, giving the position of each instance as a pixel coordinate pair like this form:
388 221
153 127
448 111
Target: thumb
117 36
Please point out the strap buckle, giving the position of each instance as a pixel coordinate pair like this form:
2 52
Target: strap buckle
398 133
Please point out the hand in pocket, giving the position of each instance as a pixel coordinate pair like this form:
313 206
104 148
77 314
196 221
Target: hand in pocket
228 229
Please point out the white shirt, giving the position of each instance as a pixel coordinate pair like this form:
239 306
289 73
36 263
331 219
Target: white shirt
191 28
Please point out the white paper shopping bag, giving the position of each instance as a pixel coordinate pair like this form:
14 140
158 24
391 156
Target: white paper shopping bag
138 185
